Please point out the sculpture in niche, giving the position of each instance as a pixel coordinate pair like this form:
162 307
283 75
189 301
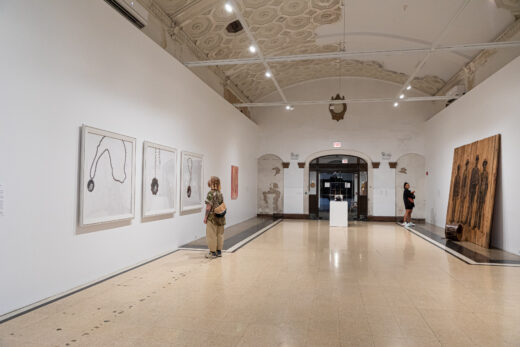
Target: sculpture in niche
276 170
273 189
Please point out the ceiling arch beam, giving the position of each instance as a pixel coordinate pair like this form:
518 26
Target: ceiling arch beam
355 54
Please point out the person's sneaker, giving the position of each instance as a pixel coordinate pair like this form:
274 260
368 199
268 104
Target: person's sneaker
406 225
211 255
411 224
219 253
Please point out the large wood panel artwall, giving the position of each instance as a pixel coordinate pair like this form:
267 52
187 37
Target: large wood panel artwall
472 192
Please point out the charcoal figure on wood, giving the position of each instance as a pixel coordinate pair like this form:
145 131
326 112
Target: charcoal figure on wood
473 187
482 193
463 191
456 194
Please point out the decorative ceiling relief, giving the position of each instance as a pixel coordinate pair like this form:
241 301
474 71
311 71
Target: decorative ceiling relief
289 27
511 5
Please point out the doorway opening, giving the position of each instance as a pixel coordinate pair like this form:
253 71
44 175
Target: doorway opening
338 177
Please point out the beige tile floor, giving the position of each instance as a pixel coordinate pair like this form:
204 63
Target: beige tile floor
299 284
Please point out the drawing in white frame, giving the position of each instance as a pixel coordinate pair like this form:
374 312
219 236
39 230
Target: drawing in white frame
107 177
192 175
159 179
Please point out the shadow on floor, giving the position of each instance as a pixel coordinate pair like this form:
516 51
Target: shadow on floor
235 235
467 251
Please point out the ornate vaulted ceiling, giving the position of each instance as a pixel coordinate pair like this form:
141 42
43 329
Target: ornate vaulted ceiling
288 27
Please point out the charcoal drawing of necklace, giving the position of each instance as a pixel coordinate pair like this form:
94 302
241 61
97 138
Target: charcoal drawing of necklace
190 170
94 165
155 182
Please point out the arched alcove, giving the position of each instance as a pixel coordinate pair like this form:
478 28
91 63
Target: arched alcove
270 185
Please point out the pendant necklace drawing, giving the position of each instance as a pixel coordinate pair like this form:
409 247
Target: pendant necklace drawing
190 170
90 183
155 182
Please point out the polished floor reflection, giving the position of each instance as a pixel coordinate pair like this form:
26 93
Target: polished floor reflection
299 284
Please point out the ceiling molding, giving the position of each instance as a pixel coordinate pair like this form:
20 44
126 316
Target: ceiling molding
512 5
176 33
391 36
254 84
290 27
466 75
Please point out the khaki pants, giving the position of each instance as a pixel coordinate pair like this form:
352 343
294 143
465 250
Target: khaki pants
214 236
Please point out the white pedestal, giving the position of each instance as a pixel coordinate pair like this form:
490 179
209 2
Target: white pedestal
338 214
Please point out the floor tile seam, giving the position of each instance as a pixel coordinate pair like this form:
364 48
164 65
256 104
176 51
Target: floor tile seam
436 333
52 299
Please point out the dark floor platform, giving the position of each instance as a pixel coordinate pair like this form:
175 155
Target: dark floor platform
466 251
239 234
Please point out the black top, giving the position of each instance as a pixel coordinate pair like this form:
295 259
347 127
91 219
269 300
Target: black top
407 203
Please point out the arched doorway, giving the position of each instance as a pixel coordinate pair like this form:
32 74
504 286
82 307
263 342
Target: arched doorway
338 176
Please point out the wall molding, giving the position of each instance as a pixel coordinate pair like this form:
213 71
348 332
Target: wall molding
393 219
284 215
392 164
301 165
286 164
376 164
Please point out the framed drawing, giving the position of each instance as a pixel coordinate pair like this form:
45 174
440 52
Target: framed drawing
107 176
159 179
192 175
234 182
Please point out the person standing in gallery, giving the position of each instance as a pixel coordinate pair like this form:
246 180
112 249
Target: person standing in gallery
215 218
408 198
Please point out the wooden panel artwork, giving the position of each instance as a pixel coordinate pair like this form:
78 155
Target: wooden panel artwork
472 190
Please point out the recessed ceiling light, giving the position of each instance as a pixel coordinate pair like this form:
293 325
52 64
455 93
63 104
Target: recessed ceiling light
409 87
289 107
228 7
401 96
396 104
268 74
252 49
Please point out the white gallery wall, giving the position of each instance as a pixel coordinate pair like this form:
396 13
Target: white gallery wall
493 107
67 63
369 129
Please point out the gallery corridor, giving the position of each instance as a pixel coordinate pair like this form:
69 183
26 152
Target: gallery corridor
299 284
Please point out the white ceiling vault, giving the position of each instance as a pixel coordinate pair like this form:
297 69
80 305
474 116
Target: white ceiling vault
295 27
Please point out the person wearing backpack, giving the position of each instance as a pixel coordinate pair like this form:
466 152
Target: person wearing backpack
215 218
